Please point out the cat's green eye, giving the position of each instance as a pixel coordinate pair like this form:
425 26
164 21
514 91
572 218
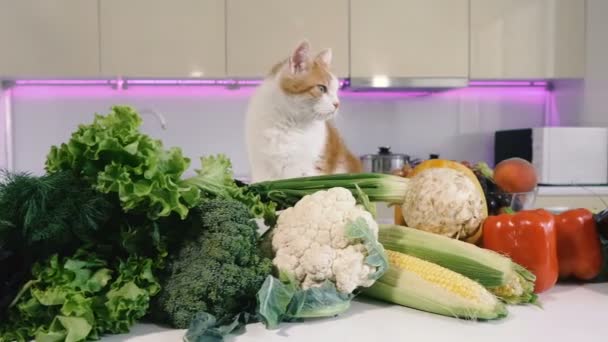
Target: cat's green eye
322 88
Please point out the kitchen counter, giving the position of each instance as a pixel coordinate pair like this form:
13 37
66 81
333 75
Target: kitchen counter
594 198
573 190
569 313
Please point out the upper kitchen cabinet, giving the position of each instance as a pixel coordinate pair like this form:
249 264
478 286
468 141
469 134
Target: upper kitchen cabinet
51 38
264 32
409 38
159 38
527 39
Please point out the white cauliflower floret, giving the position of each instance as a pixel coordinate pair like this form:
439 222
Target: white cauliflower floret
310 241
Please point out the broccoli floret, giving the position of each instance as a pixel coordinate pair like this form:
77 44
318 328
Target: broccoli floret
219 272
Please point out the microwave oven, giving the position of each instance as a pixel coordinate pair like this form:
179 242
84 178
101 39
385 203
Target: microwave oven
561 155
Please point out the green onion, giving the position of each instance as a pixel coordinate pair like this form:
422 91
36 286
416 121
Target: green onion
378 187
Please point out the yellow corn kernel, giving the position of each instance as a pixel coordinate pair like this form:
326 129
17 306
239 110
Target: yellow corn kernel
440 276
511 282
512 289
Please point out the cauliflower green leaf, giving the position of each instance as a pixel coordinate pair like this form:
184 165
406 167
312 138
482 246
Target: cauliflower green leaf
359 229
318 302
282 300
273 299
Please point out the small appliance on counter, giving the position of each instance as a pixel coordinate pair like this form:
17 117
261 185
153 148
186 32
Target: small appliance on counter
561 155
385 161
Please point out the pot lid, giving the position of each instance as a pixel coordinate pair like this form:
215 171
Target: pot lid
385 152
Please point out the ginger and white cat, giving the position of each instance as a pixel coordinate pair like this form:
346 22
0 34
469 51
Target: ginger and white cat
288 126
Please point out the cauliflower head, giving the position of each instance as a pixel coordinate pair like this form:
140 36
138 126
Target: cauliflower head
312 244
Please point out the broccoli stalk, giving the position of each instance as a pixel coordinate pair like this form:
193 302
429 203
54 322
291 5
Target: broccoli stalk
218 273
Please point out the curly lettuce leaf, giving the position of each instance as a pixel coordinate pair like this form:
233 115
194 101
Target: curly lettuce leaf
68 329
215 179
115 157
128 297
81 297
376 257
215 175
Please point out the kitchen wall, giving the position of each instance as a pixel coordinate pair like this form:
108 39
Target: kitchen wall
457 124
583 102
595 111
569 102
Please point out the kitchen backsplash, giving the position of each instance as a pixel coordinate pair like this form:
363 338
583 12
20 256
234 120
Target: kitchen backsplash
457 124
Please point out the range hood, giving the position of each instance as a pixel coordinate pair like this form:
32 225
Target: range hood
397 83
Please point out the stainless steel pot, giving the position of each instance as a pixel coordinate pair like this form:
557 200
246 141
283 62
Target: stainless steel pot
384 161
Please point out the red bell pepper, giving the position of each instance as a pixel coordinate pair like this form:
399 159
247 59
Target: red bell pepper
529 238
579 249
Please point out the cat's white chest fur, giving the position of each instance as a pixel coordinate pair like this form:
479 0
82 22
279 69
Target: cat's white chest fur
278 145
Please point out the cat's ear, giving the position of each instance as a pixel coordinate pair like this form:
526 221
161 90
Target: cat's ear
299 58
324 57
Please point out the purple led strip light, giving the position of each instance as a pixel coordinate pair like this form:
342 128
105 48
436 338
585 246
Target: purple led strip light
227 82
508 83
64 82
234 82
525 90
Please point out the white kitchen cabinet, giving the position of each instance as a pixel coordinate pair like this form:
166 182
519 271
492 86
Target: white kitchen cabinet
527 39
157 38
262 33
51 38
409 38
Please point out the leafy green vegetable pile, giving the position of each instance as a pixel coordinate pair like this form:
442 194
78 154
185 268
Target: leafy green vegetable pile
81 297
41 216
114 233
116 157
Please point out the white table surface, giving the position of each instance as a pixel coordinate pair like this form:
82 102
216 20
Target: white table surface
570 313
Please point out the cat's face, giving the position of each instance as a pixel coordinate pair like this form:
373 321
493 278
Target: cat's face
308 84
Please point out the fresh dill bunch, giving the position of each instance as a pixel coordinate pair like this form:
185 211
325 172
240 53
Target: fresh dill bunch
50 210
40 216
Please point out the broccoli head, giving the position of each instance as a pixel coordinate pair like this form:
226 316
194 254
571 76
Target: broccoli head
218 272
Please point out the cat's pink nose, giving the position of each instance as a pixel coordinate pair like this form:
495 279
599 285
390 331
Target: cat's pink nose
336 104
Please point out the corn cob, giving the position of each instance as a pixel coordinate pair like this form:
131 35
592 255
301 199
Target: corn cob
422 285
509 281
